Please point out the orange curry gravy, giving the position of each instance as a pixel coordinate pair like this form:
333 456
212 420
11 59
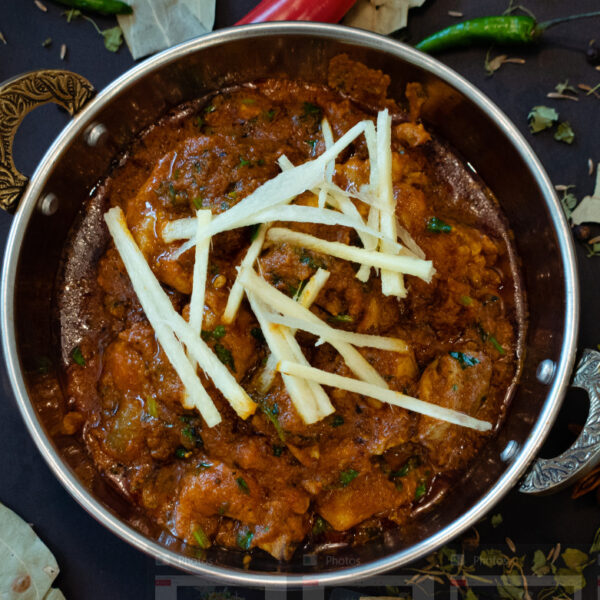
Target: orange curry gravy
271 481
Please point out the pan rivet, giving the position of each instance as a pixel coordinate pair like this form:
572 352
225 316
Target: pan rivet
510 451
48 205
545 371
94 134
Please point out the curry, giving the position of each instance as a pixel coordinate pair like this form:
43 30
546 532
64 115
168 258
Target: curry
272 480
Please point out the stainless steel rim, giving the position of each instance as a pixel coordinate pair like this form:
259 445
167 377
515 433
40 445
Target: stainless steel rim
241 577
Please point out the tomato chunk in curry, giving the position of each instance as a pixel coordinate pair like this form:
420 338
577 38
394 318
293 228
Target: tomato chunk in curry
272 481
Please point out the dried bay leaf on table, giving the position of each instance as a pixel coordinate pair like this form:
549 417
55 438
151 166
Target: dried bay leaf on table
27 567
159 24
588 210
380 16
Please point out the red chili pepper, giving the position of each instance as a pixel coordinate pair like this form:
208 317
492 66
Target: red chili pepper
323 11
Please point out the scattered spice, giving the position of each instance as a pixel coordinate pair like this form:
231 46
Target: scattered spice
590 167
589 89
113 37
592 54
493 64
455 13
63 51
47 42
497 520
2 38
40 5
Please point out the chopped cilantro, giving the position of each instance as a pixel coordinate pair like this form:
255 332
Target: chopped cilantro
420 491
191 434
152 407
198 202
243 485
210 108
77 356
343 318
337 420
254 233
244 539
269 114
312 144
199 123
465 360
320 525
346 477
182 452
496 520
219 332
244 162
257 334
466 300
225 356
248 101
277 450
201 538
310 109
436 225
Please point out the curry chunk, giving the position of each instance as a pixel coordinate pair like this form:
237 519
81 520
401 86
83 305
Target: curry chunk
460 381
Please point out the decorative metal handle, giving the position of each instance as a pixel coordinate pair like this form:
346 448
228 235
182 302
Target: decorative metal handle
18 97
551 475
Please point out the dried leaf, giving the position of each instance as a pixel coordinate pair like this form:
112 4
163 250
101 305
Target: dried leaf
575 559
588 210
557 96
541 117
113 38
564 87
2 38
492 557
497 520
159 24
564 133
596 543
572 581
381 16
539 566
492 65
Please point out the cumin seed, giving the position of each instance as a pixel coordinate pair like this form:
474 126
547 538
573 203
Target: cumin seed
41 6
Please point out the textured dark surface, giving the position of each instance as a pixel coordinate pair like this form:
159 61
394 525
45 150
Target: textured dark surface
97 565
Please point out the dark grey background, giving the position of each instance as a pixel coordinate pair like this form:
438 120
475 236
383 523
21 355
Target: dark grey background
97 565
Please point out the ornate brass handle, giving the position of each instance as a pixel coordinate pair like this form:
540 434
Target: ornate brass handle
552 474
18 97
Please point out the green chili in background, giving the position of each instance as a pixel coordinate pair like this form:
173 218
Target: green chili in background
104 7
505 29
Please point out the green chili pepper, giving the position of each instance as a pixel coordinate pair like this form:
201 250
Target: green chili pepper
104 7
505 29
